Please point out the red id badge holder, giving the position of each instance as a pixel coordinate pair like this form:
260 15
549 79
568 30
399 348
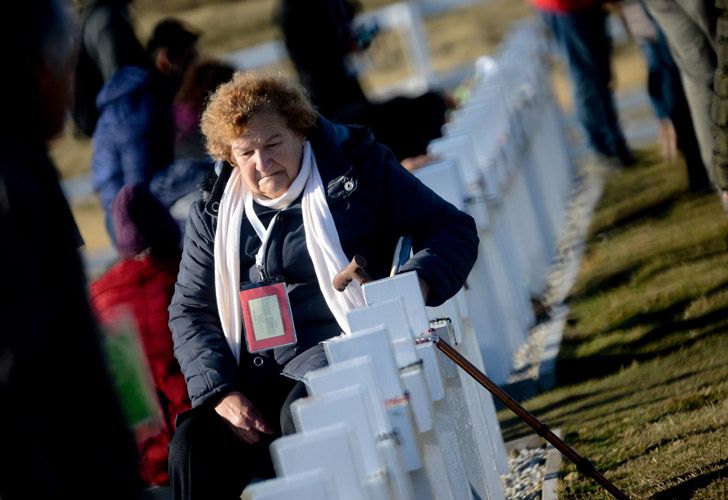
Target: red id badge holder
267 315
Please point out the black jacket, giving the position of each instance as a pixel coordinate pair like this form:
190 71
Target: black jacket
318 37
56 396
107 43
383 202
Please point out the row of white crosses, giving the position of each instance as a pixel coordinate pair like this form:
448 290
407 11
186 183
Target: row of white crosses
391 417
507 146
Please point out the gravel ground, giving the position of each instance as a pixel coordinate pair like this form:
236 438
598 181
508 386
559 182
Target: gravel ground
527 470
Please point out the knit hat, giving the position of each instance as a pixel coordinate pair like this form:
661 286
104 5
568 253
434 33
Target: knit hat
141 221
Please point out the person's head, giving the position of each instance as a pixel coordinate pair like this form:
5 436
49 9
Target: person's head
172 47
142 225
259 123
201 79
41 57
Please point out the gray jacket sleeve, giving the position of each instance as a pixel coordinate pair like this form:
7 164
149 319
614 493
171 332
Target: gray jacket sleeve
111 42
200 347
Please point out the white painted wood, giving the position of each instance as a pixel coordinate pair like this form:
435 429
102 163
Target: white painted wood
332 449
435 466
401 485
431 369
339 376
460 415
375 343
405 286
391 314
460 149
350 405
315 484
405 20
480 417
457 459
400 415
361 370
443 177
413 379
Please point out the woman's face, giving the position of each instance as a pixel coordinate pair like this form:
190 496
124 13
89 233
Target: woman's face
268 154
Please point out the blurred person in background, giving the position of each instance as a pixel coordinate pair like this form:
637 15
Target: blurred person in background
134 137
665 91
690 31
580 32
142 282
719 165
107 43
320 37
62 432
697 41
179 184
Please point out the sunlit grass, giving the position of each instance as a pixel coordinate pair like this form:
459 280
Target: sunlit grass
643 366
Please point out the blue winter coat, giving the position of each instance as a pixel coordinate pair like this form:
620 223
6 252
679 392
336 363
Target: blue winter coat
133 135
385 202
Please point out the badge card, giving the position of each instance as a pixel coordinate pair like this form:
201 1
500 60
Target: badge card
267 316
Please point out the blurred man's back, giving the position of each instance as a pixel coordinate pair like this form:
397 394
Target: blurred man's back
62 433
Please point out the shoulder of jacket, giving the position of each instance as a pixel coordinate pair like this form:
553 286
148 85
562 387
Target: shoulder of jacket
335 142
4 199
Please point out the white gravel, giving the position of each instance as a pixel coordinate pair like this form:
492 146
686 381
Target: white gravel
527 470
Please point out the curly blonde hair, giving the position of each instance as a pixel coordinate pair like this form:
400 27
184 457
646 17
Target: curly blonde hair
234 103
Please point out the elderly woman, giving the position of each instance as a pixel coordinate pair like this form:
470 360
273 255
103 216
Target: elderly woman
296 198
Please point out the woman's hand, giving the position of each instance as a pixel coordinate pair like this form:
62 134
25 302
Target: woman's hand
667 140
243 417
412 163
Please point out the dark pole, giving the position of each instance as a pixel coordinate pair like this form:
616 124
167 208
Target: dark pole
584 465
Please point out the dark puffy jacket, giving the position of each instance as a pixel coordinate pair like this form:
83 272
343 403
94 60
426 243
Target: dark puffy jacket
107 43
132 140
56 395
386 202
318 37
145 287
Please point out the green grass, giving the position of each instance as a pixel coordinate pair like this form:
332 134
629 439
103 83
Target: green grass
642 372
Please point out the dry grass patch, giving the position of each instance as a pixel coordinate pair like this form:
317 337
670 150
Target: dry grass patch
643 229
655 428
663 295
646 343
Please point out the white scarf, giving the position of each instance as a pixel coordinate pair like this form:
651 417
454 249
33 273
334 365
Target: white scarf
322 244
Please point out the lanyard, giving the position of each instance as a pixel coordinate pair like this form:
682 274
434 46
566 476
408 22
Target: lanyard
262 232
